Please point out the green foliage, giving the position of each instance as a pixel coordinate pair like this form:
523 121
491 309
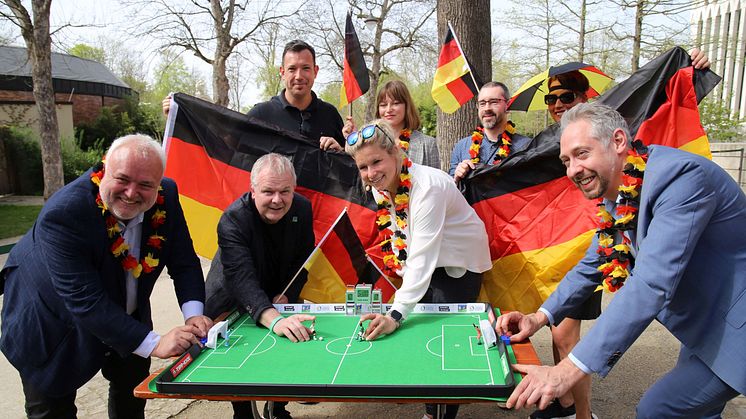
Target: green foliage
174 76
15 220
130 118
88 52
24 158
720 126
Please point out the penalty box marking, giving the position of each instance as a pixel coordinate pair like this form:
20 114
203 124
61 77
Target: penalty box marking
471 352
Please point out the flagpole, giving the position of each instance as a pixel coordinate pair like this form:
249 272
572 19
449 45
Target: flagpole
458 44
380 272
318 246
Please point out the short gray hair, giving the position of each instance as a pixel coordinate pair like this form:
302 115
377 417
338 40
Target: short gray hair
273 163
143 145
603 120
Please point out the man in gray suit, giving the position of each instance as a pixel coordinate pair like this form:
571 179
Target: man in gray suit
686 249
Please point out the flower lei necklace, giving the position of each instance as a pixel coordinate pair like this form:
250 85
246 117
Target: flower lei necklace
616 258
506 140
393 239
118 247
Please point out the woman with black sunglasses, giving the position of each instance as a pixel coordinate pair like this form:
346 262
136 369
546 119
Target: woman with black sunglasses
565 91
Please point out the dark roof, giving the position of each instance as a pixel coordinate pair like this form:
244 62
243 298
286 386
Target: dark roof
68 72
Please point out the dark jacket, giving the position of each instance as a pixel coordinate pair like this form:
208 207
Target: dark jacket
65 298
239 276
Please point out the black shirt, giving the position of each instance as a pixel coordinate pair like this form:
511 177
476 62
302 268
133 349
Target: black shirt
319 119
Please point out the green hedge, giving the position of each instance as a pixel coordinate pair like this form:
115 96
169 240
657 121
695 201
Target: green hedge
24 159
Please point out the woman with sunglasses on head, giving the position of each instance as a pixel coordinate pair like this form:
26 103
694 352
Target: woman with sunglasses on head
394 104
429 235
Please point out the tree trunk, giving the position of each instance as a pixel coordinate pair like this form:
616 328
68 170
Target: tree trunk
637 40
39 43
220 85
472 27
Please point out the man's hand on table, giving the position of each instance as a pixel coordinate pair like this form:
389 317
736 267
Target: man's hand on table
542 384
520 326
203 323
293 328
176 341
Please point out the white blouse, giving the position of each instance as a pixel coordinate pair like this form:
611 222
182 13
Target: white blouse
442 231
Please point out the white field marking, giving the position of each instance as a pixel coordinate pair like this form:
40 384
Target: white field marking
254 351
349 343
347 346
443 361
213 351
489 364
471 345
427 346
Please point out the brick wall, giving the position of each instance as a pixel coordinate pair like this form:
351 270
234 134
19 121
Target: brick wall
85 107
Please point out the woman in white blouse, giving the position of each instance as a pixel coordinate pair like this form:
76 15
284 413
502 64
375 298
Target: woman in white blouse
429 235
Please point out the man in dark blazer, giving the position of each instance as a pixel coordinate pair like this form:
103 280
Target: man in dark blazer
264 237
687 241
77 285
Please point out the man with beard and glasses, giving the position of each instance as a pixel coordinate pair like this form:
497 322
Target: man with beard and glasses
494 140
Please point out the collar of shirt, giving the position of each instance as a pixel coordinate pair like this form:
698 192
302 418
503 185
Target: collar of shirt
311 107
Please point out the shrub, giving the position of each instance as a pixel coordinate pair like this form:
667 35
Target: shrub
113 122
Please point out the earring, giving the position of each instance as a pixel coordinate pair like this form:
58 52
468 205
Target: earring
367 188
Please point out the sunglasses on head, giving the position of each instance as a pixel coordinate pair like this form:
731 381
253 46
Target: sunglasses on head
566 98
366 133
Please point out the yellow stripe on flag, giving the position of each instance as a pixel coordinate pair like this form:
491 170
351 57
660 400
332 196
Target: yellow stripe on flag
699 146
523 281
202 221
324 284
450 72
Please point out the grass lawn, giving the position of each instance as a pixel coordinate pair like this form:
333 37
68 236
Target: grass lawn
15 220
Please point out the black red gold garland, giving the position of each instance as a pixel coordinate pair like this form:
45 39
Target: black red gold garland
503 151
616 258
117 245
393 241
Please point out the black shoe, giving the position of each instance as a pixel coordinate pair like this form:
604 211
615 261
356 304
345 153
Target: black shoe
555 411
278 412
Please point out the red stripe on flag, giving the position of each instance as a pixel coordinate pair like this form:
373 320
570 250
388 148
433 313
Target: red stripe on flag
352 87
337 254
676 122
211 182
448 53
536 217
460 90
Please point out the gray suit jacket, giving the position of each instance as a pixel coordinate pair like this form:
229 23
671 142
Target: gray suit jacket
689 274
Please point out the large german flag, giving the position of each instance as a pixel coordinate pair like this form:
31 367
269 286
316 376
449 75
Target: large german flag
453 83
355 79
340 260
210 153
538 223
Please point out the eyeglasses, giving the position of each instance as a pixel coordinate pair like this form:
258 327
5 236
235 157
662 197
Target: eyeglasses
491 102
566 98
304 123
366 133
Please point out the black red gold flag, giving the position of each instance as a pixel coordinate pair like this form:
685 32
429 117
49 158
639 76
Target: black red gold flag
538 223
355 78
454 83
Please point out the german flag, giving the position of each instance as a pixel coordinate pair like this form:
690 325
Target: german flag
340 260
538 223
211 150
355 79
453 83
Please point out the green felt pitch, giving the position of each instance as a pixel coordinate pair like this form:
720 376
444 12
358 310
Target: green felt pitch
430 349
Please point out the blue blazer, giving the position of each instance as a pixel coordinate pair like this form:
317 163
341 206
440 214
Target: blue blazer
64 303
689 274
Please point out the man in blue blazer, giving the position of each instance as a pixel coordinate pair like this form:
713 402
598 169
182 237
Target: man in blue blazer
686 248
77 285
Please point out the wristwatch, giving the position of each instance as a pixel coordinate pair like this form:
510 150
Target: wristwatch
396 316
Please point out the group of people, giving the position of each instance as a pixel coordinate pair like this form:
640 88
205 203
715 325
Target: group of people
77 286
